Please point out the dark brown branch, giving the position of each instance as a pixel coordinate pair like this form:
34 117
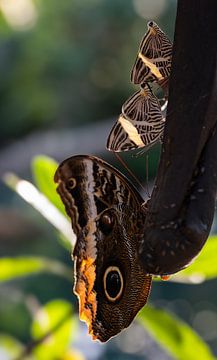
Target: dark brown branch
181 209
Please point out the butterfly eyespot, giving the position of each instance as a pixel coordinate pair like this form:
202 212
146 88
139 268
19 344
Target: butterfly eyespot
71 183
113 283
106 222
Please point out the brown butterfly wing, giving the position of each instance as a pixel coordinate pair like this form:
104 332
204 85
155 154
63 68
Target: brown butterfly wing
140 125
107 218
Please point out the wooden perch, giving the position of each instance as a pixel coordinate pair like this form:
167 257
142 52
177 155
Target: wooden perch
181 208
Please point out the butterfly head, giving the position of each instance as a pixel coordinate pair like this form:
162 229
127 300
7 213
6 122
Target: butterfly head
152 27
106 216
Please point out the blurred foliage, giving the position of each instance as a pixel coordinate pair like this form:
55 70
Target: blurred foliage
43 169
13 268
204 267
10 347
54 319
177 337
53 326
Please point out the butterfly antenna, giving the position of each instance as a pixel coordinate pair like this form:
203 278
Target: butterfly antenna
131 173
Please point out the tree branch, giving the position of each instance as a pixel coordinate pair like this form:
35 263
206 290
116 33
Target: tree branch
182 205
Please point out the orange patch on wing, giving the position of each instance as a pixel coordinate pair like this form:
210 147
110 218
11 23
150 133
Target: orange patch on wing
84 290
94 337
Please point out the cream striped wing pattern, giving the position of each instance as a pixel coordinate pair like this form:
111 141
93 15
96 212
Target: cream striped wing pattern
140 124
153 62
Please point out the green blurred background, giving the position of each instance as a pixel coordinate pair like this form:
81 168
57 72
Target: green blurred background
64 73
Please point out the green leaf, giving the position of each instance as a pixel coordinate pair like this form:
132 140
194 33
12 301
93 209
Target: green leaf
41 203
203 268
55 320
65 243
13 268
73 354
43 169
174 335
10 348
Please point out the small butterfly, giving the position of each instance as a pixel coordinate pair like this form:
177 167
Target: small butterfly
153 62
141 123
107 216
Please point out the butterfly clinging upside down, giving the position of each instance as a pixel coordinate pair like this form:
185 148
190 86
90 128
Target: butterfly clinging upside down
141 123
109 278
153 61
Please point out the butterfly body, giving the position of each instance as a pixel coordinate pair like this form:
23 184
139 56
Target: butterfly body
105 211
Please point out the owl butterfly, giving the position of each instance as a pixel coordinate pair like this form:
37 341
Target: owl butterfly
153 62
140 124
108 220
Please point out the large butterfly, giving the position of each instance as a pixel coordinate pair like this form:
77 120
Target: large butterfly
140 124
153 62
119 244
107 217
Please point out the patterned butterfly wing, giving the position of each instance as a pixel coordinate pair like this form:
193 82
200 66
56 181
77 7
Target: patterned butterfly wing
153 62
108 220
141 123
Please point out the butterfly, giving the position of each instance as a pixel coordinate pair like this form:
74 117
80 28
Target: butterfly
141 123
153 62
107 216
